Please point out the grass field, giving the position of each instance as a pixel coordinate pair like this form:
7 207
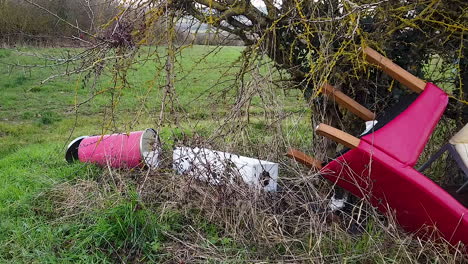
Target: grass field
38 120
54 212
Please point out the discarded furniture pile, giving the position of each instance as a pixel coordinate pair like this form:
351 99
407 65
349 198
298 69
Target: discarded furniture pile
378 166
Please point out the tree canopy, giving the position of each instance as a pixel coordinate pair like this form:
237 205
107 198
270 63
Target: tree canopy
312 41
318 41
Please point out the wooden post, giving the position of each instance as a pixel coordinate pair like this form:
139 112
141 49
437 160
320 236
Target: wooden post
395 71
348 103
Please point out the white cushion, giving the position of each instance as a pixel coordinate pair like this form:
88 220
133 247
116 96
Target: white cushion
460 137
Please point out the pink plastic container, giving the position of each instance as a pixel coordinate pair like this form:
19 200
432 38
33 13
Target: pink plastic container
137 149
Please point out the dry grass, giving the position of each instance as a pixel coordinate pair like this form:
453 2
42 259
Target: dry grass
233 223
292 225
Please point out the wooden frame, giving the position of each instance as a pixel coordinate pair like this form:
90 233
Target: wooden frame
331 133
337 135
304 159
395 71
388 66
348 102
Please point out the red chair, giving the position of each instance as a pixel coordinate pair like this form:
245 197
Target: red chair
379 166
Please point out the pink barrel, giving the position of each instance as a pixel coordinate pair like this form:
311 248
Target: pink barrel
118 150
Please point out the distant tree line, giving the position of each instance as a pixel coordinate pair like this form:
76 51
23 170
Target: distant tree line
46 22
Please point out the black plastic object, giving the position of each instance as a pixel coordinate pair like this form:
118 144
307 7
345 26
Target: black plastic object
72 150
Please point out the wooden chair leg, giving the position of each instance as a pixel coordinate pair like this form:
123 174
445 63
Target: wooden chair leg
347 102
305 159
329 132
395 71
337 135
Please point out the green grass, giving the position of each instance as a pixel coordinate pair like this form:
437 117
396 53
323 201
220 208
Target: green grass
38 120
55 212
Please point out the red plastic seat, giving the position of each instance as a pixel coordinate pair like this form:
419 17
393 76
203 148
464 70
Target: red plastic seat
418 203
381 170
405 136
